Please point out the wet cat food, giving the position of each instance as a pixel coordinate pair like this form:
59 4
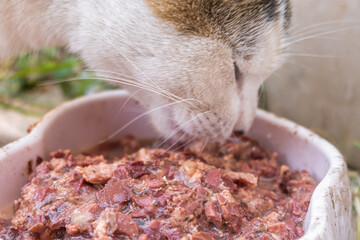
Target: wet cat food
230 190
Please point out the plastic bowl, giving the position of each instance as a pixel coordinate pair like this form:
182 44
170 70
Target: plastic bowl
84 122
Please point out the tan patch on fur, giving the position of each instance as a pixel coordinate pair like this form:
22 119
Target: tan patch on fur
225 19
186 15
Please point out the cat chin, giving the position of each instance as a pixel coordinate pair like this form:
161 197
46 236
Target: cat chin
187 134
182 125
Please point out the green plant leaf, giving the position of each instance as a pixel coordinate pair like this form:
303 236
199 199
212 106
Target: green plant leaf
357 144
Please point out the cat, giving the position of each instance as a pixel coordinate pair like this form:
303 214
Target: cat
196 65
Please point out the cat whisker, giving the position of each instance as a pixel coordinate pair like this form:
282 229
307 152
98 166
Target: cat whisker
173 144
177 141
314 27
184 144
113 73
124 104
132 63
147 77
203 148
176 130
312 55
144 86
170 95
298 64
139 117
104 72
161 92
112 80
296 39
129 83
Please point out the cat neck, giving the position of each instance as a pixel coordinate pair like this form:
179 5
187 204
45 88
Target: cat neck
30 25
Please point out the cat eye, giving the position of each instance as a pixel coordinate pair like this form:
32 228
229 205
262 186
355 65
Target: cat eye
238 74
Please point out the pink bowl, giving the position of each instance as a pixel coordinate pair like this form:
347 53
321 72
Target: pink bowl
84 122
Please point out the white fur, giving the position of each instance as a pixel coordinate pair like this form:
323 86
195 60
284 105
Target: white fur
125 37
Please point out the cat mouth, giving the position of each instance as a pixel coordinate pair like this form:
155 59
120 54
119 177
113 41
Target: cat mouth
185 126
177 133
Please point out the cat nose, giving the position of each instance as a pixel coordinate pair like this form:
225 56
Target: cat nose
239 132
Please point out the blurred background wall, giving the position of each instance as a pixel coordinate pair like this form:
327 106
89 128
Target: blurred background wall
319 86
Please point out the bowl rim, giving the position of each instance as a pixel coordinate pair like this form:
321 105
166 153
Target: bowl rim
326 188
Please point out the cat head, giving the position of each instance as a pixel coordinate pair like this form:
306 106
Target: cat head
196 65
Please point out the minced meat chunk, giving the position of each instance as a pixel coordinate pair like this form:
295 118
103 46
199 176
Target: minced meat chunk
230 190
